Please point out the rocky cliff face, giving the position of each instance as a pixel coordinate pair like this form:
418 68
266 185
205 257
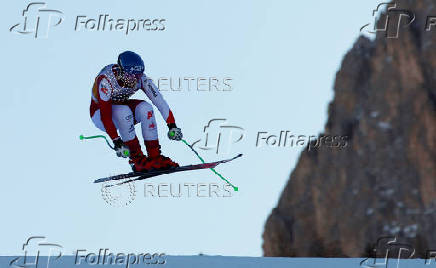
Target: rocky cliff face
339 202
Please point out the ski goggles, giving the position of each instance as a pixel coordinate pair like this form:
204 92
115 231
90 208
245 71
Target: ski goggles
134 70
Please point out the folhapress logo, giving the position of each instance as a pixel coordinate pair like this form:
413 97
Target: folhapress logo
390 19
216 128
35 249
37 20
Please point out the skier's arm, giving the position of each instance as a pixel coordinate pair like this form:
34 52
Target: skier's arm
156 98
104 101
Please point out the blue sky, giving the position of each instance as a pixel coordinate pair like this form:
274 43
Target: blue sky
282 57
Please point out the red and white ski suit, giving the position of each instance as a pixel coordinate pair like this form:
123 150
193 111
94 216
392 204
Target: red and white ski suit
112 110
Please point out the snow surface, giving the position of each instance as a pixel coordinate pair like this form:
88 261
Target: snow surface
230 262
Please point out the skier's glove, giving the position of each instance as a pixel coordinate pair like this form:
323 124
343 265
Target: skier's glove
120 148
174 133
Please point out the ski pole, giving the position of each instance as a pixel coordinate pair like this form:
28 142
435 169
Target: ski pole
81 137
213 170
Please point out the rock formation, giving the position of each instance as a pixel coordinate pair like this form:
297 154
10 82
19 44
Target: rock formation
339 201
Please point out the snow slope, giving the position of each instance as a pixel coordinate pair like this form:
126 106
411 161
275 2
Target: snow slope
232 262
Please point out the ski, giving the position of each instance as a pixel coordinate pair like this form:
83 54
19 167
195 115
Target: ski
146 175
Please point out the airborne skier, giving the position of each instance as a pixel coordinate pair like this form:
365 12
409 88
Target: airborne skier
113 111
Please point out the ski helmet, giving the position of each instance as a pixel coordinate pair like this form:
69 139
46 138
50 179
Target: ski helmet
131 62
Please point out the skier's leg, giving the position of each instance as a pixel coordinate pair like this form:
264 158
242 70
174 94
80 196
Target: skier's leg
123 119
144 114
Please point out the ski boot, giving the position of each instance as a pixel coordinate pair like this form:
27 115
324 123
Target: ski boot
155 159
137 161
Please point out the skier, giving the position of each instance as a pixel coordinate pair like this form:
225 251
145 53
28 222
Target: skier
112 109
